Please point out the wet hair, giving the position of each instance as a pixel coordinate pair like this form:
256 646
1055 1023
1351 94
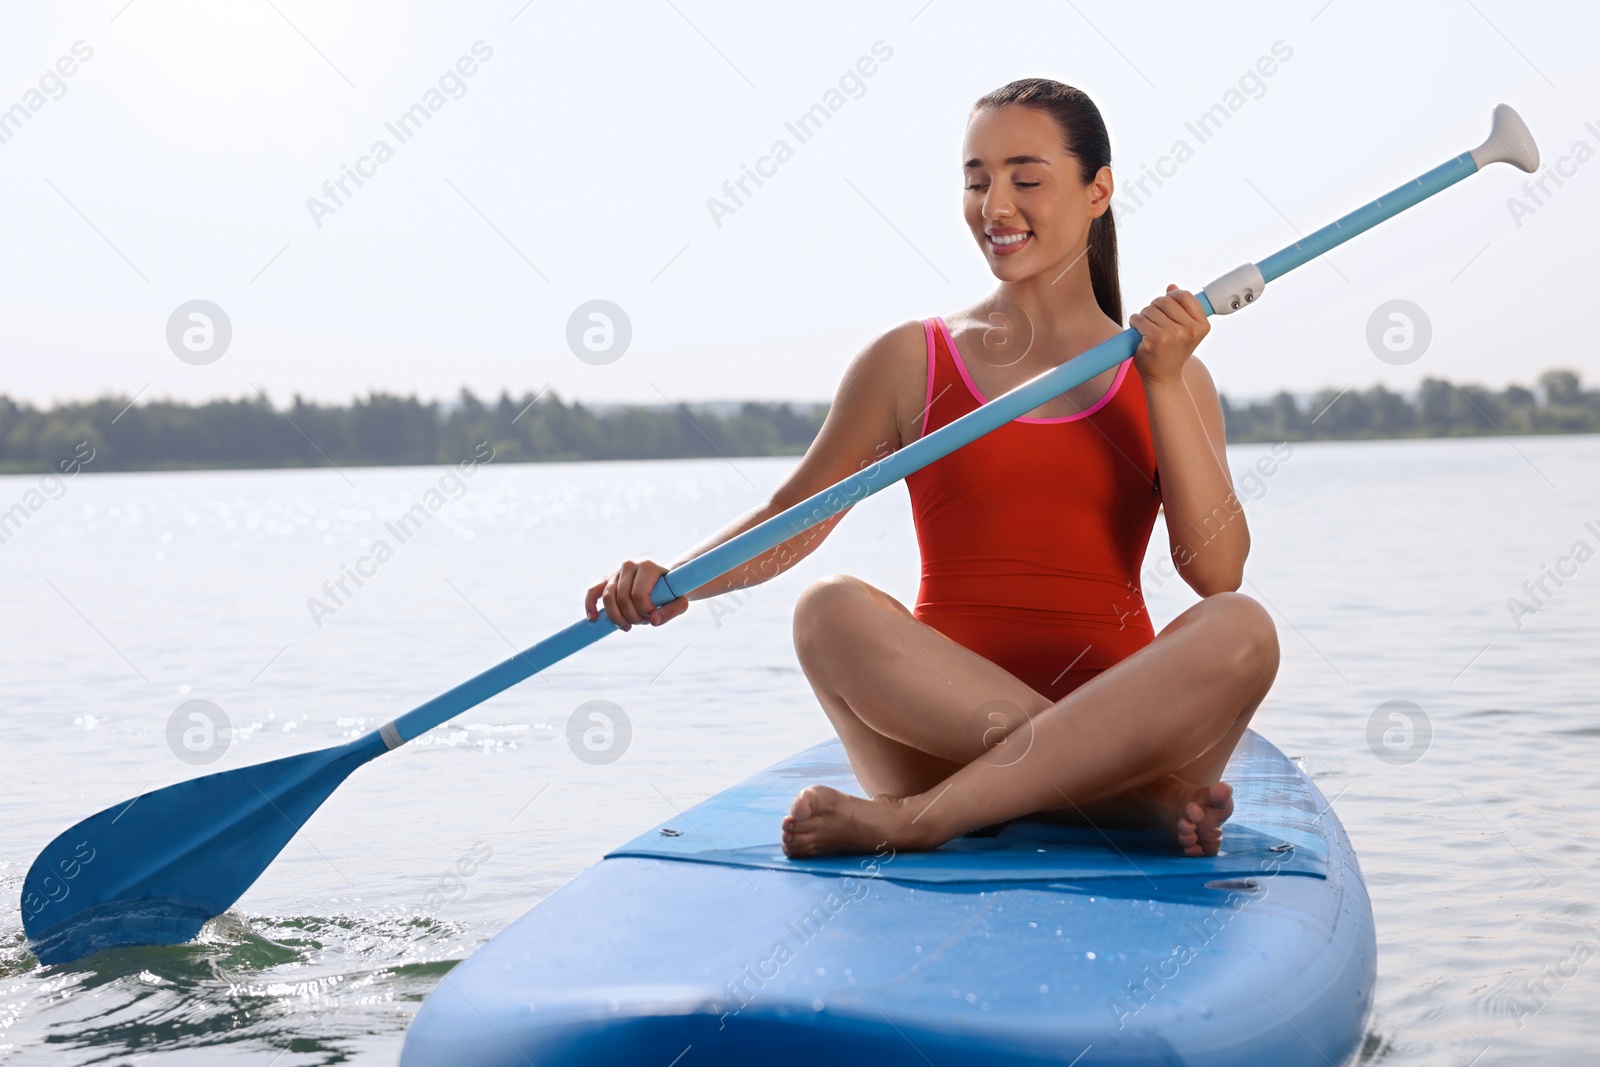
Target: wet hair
1083 132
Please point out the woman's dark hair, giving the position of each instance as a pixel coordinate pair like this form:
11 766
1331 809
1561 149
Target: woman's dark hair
1084 133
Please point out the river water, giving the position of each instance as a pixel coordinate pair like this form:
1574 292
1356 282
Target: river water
1388 566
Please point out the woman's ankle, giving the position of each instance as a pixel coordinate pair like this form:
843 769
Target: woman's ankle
925 822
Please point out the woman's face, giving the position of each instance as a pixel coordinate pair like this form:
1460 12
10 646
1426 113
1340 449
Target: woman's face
1024 202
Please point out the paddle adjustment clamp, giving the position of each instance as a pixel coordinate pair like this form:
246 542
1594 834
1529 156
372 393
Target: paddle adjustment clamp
1235 289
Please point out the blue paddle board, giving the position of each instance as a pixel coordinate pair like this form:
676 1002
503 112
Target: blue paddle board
1032 943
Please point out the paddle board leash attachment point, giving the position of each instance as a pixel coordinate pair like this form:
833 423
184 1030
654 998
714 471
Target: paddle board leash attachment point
154 870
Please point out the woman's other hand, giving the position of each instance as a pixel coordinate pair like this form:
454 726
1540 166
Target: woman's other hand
1170 329
625 592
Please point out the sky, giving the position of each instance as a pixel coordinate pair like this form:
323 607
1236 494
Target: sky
165 153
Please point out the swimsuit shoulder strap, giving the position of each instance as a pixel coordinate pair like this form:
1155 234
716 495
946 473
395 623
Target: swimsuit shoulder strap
945 394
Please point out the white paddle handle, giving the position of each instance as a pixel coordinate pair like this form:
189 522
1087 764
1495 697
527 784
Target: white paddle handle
1509 142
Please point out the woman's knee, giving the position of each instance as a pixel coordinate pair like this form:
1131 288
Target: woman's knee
1250 636
825 612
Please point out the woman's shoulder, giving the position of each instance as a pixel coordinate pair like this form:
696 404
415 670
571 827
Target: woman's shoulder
888 360
886 379
898 346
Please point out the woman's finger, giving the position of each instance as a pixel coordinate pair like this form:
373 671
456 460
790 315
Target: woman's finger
644 580
627 575
1159 317
612 610
1191 304
673 608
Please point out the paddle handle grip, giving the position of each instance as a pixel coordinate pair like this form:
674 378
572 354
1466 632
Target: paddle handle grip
736 551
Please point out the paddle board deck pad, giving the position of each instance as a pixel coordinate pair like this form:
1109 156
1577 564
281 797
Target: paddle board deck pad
1032 943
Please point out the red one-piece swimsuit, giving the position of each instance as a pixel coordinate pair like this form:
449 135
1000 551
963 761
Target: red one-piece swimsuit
1032 536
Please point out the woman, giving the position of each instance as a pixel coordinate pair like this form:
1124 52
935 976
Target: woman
1028 678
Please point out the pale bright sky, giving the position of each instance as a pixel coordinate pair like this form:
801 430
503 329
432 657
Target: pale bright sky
575 163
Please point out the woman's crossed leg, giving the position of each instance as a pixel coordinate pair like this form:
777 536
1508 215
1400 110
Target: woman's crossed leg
1143 742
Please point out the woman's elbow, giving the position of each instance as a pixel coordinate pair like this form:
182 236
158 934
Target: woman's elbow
1214 573
1212 584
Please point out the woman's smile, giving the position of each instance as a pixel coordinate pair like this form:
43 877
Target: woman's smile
1007 240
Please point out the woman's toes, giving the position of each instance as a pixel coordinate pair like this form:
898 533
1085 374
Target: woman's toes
801 809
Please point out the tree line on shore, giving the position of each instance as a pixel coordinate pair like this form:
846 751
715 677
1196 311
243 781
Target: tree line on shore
1440 408
383 429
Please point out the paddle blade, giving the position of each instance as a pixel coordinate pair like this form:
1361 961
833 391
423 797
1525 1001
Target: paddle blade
153 870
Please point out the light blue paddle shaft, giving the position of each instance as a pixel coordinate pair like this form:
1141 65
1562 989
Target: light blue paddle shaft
737 551
1365 218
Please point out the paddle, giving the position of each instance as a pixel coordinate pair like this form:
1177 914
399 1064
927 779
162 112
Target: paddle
154 869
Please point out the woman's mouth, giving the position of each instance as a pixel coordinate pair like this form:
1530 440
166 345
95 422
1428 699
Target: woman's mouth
1009 242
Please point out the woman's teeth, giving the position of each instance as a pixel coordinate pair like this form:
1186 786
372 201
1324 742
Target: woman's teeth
1009 239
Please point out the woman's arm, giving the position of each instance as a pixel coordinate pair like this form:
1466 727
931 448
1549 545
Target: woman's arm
863 425
1205 521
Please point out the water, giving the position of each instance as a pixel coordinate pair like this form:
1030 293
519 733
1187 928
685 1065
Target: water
1388 566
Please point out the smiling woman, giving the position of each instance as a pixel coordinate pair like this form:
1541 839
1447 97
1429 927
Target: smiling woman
1030 609
1082 128
1029 613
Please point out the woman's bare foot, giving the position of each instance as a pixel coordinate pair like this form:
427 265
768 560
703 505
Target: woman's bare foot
824 821
1192 814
